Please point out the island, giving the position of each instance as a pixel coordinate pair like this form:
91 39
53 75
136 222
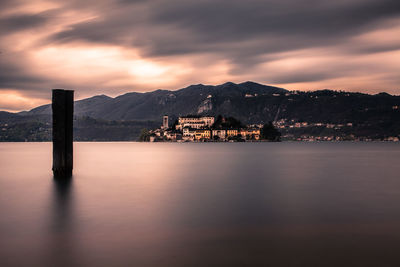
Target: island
196 128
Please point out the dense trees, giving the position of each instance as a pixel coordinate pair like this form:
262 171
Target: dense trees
228 123
144 135
270 133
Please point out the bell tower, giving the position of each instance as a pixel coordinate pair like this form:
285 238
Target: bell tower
165 122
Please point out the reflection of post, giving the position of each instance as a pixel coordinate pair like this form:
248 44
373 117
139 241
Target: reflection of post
62 202
63 110
62 238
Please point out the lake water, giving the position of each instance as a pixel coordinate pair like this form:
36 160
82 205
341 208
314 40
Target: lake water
215 204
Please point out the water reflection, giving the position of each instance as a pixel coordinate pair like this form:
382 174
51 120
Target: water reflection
144 204
62 198
62 246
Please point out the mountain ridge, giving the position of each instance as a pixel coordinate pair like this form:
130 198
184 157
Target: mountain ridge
135 105
249 101
249 85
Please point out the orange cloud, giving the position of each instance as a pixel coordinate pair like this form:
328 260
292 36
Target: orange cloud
14 101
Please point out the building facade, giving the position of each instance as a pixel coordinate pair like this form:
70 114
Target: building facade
195 122
203 134
249 134
221 134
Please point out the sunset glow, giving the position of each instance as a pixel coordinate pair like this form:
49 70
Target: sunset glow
113 47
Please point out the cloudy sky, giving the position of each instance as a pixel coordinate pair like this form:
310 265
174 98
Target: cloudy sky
116 46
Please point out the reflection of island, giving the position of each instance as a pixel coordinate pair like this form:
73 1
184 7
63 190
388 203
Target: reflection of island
206 128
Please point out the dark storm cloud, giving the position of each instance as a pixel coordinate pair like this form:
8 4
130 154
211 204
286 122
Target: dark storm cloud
163 28
14 76
303 76
20 22
7 4
374 48
245 33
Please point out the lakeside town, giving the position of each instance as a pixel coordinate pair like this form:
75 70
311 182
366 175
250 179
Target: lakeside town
197 128
293 130
194 128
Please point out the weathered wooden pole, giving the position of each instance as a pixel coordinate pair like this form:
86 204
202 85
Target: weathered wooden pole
63 113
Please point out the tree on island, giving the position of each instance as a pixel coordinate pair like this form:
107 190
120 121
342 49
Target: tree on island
229 123
144 135
173 127
270 133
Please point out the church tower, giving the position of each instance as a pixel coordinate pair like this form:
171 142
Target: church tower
165 122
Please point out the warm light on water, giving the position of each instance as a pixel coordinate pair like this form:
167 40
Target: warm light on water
163 204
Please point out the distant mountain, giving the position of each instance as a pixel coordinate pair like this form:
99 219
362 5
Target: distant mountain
250 102
195 99
122 117
4 116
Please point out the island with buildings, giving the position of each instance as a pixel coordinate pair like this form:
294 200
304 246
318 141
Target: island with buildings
311 116
195 128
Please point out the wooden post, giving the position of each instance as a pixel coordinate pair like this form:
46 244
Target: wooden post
63 112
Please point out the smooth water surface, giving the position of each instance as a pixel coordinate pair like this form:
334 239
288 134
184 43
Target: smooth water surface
215 204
